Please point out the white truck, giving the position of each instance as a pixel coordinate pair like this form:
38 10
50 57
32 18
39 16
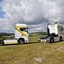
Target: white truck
55 32
21 35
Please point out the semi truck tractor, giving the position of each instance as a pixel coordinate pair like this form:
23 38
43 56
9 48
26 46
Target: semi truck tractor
55 32
21 35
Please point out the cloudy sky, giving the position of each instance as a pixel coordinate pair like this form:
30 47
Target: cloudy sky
35 13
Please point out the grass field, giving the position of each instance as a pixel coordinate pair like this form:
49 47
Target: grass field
33 53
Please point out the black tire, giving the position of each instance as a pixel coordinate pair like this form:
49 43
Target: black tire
60 39
51 40
1 42
21 41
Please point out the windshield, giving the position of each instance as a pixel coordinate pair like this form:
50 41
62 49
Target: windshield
53 28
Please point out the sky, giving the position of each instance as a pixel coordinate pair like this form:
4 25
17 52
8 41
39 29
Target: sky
35 13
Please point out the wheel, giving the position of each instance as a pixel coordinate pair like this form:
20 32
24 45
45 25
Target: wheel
21 41
51 40
60 39
1 42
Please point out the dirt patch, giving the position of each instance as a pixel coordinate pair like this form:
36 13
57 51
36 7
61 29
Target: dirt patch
38 60
60 48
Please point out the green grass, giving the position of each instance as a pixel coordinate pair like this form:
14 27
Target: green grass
34 37
34 53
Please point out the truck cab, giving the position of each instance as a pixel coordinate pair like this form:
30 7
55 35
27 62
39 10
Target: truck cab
55 32
21 33
52 29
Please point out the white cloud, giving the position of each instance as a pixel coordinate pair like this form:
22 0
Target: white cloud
32 12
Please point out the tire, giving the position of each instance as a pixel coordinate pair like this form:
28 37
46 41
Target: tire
60 39
21 41
51 40
1 42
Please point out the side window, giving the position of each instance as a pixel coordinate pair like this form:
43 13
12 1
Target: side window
22 29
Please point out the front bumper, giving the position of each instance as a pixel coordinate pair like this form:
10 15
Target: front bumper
44 40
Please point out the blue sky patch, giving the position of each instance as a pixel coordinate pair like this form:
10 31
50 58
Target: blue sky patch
0 0
1 13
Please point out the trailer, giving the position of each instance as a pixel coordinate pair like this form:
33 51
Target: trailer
21 35
55 32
